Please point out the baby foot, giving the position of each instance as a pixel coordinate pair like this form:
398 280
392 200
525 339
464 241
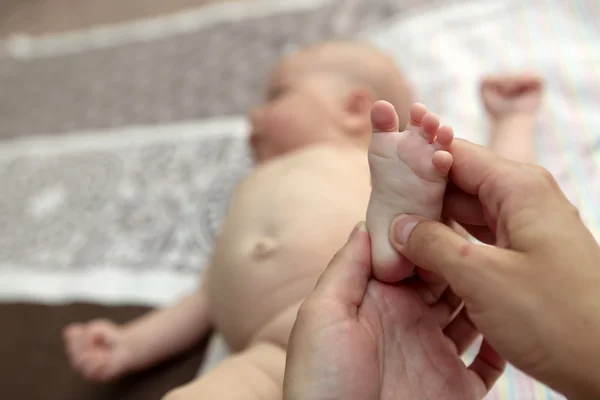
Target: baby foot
408 176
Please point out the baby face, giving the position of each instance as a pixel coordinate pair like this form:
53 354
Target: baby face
301 109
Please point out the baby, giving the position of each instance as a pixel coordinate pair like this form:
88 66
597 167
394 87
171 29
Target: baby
287 219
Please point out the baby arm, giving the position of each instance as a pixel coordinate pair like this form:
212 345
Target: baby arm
102 350
512 102
164 333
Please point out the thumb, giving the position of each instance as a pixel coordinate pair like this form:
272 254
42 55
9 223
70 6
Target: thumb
436 247
346 277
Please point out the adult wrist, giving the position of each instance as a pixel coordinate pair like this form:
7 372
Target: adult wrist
577 375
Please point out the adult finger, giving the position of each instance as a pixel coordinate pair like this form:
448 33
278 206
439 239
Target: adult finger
437 248
481 233
447 307
462 207
473 165
384 117
429 244
461 331
487 367
346 277
496 181
428 286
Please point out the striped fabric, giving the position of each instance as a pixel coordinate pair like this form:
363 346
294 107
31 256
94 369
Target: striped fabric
445 51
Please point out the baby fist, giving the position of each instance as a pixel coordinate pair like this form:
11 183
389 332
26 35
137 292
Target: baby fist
506 95
97 350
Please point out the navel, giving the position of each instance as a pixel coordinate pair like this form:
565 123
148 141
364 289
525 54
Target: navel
264 247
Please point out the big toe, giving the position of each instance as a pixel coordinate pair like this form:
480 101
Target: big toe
384 117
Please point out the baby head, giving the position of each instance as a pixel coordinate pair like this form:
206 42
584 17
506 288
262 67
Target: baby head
323 94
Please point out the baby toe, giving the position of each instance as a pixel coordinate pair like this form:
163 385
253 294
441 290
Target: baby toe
445 137
417 113
442 161
430 126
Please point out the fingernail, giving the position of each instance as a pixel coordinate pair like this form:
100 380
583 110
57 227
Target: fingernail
403 227
360 227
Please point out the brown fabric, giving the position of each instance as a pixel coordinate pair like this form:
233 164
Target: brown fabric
38 369
52 16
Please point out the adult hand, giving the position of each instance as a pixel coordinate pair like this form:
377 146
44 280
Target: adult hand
535 297
357 338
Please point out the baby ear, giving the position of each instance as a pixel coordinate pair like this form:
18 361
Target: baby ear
358 107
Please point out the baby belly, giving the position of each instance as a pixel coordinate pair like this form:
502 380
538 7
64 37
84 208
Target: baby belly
255 280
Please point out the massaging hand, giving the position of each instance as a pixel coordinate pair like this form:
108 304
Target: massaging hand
536 297
357 338
506 95
97 350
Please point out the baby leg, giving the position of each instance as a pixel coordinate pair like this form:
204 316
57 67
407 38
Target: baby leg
254 374
408 176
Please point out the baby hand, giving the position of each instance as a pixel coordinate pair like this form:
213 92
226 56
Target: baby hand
97 350
507 95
